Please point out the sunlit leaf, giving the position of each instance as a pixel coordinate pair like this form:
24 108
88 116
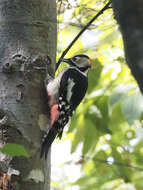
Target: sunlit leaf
12 149
79 130
102 122
94 75
120 93
90 136
117 124
133 107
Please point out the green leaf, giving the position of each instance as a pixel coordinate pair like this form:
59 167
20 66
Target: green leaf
78 137
101 122
109 37
124 158
98 158
112 184
133 107
13 149
117 124
94 75
137 180
120 93
90 136
117 120
138 149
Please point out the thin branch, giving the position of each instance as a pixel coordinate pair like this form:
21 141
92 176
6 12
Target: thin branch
80 33
112 163
118 164
107 162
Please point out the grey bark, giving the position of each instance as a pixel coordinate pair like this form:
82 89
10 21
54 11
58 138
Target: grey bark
27 43
129 14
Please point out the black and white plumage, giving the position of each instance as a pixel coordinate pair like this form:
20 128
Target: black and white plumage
65 93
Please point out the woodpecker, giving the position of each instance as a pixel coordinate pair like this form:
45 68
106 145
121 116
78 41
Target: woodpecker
65 93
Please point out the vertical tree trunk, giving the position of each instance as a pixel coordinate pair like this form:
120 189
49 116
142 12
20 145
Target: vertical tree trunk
27 43
129 14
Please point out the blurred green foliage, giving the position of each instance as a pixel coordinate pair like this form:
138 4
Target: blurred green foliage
108 123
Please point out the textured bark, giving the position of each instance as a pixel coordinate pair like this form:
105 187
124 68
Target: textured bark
129 14
27 41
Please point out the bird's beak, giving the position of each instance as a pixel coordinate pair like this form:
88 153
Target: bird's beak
67 61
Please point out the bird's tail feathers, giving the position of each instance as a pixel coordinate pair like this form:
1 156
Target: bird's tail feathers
47 142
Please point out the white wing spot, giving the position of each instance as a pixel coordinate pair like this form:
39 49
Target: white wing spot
62 112
67 107
60 106
63 103
69 90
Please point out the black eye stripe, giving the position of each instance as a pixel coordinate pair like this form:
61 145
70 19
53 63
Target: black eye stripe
74 59
83 68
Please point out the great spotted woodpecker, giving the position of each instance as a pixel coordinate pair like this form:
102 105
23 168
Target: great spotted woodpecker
65 93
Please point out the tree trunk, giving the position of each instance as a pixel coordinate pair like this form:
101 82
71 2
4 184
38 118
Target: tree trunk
27 46
129 14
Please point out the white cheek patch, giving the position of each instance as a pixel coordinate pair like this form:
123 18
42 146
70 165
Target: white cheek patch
69 90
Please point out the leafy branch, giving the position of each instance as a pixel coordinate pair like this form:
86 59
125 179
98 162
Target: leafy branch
81 32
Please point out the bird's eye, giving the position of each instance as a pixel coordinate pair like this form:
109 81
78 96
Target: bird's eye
74 58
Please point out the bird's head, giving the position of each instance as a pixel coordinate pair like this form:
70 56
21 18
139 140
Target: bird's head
81 62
